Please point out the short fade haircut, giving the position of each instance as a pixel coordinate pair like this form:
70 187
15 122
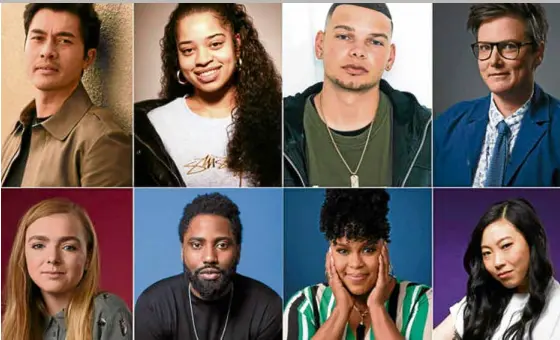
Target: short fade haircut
378 7
357 214
212 204
90 24
534 16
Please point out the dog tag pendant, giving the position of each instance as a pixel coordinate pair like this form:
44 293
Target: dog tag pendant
354 181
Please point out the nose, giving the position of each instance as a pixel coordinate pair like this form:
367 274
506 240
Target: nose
48 50
355 261
203 57
357 51
499 261
495 57
210 256
53 256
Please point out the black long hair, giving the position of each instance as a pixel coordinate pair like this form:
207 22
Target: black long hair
254 148
486 297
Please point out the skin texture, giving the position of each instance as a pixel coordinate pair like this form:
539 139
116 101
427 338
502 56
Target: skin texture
207 59
356 48
56 256
511 81
504 250
54 57
209 242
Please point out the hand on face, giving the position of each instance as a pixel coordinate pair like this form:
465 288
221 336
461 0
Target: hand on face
343 299
385 283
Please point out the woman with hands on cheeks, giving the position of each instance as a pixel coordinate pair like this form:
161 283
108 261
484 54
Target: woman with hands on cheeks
361 300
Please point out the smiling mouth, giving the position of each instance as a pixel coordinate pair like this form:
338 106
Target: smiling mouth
356 277
505 274
208 76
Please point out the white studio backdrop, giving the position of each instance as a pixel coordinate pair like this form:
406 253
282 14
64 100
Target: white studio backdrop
412 36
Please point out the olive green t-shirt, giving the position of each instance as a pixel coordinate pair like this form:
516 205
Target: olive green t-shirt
326 168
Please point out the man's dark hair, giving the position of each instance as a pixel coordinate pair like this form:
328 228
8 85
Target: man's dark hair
534 16
90 24
212 204
379 7
357 214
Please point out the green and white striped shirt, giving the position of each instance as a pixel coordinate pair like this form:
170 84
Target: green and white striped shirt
410 307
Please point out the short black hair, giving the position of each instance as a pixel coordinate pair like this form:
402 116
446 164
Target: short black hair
90 24
379 7
212 204
357 214
534 16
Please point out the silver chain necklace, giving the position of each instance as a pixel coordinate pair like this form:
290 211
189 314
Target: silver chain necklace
227 316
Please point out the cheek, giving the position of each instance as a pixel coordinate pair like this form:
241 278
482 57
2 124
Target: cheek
76 263
33 263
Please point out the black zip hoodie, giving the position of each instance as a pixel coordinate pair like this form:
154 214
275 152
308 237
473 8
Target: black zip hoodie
411 139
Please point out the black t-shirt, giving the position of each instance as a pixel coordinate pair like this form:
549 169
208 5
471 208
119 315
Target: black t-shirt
163 312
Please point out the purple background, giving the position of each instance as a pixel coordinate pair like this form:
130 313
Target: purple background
456 212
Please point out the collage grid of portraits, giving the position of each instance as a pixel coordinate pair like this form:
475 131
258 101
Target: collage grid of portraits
280 171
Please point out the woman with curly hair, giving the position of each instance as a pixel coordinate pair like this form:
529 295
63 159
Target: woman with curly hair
362 299
52 286
511 291
218 120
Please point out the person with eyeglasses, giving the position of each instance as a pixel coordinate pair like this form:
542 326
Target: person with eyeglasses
512 136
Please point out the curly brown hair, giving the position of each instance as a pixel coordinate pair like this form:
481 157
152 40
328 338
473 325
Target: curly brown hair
254 147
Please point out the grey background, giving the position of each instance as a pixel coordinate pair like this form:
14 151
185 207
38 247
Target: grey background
456 75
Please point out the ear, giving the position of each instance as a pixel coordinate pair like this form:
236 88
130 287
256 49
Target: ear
319 43
392 56
237 38
539 54
90 58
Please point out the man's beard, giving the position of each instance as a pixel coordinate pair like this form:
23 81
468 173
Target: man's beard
351 86
211 289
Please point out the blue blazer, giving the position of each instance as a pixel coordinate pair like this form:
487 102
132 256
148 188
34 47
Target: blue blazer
535 160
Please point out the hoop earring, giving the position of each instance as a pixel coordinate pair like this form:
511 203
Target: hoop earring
179 78
239 62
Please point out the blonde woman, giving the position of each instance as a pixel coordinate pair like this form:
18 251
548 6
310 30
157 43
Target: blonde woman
52 288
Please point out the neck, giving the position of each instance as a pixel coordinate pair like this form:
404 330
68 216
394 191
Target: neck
218 104
56 302
346 110
510 102
48 103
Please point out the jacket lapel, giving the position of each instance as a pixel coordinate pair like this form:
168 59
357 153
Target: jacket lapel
533 127
474 138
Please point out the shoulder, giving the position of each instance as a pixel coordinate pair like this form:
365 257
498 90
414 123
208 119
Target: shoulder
295 104
108 306
256 289
171 107
459 110
553 294
411 293
162 289
307 295
100 120
457 311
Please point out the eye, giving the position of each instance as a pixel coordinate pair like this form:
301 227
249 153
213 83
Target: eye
70 247
507 245
342 37
484 47
216 44
369 250
196 245
66 41
37 246
342 251
485 254
187 51
222 245
510 46
376 42
37 38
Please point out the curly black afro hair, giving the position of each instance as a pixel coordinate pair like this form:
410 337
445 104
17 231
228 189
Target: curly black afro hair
357 214
212 204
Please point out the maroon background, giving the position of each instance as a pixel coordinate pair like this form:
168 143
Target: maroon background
111 213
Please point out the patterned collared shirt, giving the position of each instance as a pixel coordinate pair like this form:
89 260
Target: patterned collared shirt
495 117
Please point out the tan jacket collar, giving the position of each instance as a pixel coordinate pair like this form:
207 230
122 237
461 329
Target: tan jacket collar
61 123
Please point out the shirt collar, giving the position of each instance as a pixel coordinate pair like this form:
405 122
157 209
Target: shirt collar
61 123
58 318
495 116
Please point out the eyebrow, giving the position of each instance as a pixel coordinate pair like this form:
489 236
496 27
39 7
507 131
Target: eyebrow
498 242
207 38
216 240
351 29
46 239
59 34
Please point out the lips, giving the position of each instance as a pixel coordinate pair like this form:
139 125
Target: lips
355 70
356 278
207 75
210 274
502 74
505 274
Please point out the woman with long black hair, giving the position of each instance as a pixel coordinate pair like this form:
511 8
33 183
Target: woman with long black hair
511 291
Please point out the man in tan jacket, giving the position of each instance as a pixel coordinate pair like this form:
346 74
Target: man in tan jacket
61 138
